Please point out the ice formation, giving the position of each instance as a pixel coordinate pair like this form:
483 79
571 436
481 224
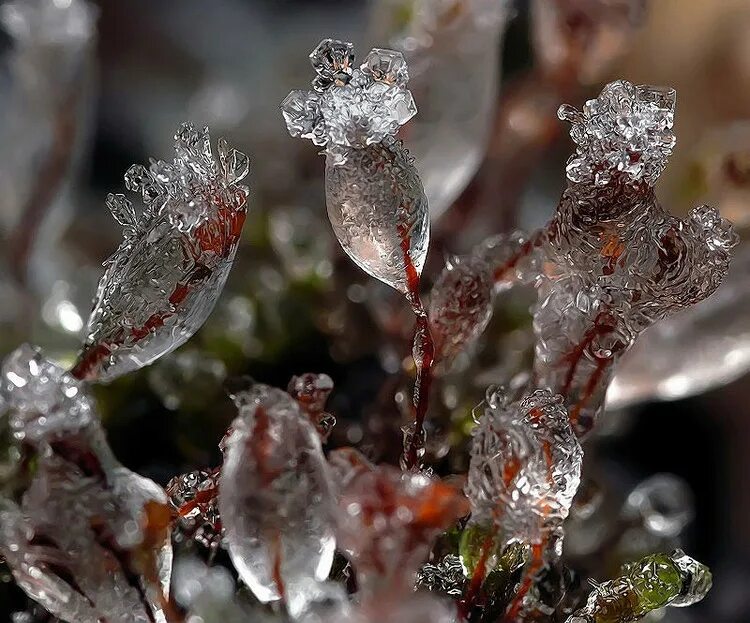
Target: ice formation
276 496
163 281
611 261
648 584
89 539
374 196
387 520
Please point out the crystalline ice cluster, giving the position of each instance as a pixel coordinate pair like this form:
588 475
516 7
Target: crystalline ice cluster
387 520
163 281
525 465
351 106
276 496
88 539
651 583
194 498
611 261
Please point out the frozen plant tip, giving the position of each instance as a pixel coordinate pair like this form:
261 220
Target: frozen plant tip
375 199
164 279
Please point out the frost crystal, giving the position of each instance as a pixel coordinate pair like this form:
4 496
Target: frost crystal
525 465
351 107
651 583
387 520
89 539
624 134
275 496
163 281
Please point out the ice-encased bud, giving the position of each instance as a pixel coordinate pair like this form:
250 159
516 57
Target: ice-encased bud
351 107
164 279
460 306
194 498
88 539
624 134
664 502
311 392
378 211
387 520
275 496
525 465
696 579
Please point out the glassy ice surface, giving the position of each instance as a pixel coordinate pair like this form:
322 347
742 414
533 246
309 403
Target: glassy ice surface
275 496
694 351
164 279
88 539
442 41
525 465
374 196
378 211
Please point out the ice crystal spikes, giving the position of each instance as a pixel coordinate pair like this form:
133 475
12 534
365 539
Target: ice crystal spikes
163 281
651 583
525 465
89 539
275 496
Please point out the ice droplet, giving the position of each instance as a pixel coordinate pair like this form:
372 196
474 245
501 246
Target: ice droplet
664 502
163 281
275 496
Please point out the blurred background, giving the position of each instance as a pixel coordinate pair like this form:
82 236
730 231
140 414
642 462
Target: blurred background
86 89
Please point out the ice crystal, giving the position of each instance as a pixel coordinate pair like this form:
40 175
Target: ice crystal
311 392
194 498
651 583
89 539
275 496
387 520
351 107
525 465
446 576
163 281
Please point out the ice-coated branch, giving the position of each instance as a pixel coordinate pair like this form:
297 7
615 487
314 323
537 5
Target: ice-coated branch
648 584
164 279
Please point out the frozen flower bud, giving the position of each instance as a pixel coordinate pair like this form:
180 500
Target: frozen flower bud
376 203
164 279
525 465
387 520
84 518
275 496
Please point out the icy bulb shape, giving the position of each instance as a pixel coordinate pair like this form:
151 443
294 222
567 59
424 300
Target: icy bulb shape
378 211
276 496
164 279
376 203
88 539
